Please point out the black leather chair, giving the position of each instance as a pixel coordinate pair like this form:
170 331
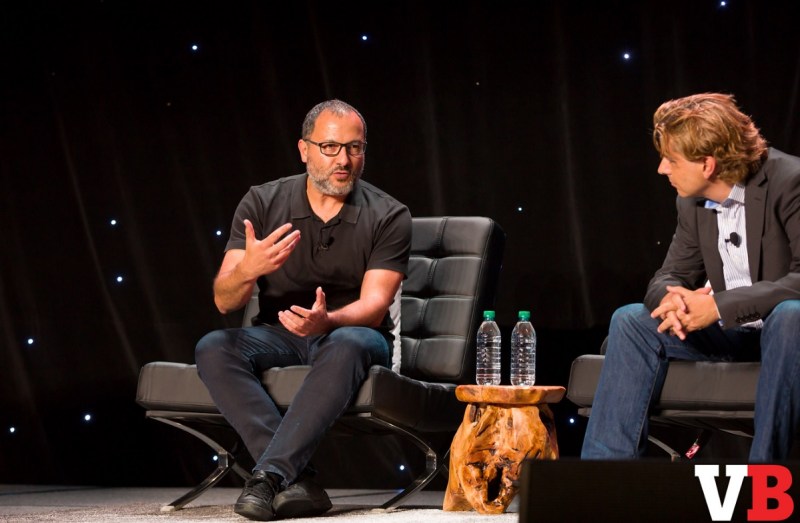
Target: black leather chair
708 396
452 276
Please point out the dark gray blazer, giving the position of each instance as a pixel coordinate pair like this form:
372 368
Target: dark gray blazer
772 213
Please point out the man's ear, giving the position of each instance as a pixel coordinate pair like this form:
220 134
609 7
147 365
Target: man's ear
302 146
709 167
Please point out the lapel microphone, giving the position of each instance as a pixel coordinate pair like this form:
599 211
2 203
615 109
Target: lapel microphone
734 239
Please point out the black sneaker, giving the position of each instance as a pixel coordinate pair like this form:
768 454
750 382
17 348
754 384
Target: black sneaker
255 501
303 498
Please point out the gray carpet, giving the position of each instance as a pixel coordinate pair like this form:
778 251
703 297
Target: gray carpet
21 503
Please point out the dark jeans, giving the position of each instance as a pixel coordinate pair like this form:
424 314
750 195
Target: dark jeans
230 363
636 364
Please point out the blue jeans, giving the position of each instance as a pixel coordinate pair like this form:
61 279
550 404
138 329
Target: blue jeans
635 366
230 363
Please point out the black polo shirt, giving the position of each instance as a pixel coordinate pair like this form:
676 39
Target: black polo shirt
371 231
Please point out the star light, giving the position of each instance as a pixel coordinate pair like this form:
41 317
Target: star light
723 4
219 233
402 467
30 341
626 56
12 430
364 38
87 417
119 279
195 47
572 421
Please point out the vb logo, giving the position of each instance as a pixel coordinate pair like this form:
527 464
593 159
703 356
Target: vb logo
770 483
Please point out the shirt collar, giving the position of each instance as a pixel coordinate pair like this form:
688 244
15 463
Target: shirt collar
736 196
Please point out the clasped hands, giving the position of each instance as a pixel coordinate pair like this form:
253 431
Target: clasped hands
268 255
682 311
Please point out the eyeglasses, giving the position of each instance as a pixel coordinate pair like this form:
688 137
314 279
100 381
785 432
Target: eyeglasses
333 148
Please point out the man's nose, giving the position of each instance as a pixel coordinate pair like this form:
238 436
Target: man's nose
343 158
663 167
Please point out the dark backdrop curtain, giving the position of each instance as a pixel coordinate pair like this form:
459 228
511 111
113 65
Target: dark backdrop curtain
526 112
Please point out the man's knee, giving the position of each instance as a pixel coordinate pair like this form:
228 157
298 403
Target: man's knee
354 344
786 315
632 329
209 347
782 329
627 314
629 319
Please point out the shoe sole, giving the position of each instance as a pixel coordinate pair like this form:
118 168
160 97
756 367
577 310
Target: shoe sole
252 511
300 508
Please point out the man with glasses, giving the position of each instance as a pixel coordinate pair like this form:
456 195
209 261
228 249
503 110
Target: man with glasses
328 252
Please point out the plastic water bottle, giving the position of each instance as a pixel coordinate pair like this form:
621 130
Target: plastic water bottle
487 371
523 351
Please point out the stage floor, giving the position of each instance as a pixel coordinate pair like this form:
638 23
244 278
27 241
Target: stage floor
29 503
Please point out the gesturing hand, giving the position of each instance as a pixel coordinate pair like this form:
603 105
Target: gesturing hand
267 255
307 322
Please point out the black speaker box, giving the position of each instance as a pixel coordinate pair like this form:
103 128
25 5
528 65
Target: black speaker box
643 490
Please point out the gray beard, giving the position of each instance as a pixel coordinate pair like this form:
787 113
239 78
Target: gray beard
322 183
326 188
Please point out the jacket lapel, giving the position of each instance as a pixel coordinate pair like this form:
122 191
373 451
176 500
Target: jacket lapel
755 198
708 233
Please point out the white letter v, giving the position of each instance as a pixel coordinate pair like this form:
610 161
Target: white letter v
720 510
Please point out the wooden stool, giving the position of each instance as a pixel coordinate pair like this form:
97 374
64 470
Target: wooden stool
502 426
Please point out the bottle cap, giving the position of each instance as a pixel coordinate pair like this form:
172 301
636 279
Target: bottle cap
524 315
488 315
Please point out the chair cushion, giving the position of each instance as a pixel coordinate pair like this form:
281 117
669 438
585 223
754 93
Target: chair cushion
426 407
452 274
724 386
165 385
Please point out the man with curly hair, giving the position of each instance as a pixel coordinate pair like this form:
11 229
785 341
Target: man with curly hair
729 287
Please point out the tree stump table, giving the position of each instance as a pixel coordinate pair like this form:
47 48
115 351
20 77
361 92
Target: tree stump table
502 426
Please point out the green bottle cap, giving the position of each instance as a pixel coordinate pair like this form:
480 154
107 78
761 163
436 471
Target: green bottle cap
524 315
488 315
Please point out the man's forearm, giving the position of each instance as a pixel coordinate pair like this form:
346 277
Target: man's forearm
232 290
362 312
377 292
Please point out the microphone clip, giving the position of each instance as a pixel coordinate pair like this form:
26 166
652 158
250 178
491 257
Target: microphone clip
734 239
